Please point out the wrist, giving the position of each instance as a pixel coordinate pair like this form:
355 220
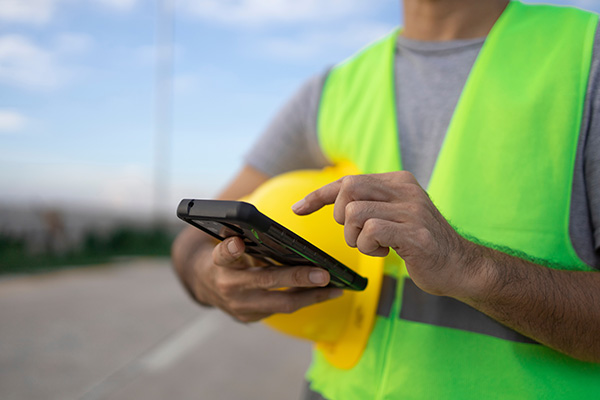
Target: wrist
480 273
190 255
192 275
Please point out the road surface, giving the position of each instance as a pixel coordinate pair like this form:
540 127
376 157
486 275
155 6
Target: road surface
128 331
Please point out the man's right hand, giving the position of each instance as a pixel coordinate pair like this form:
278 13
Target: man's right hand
225 277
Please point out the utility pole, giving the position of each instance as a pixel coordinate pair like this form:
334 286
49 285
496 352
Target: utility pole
163 94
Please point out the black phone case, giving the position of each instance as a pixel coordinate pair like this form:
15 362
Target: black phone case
264 238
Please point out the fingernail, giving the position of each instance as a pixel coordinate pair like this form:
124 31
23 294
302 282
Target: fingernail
298 206
335 293
317 277
233 248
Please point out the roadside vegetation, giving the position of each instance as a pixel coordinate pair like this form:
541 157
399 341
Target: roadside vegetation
17 258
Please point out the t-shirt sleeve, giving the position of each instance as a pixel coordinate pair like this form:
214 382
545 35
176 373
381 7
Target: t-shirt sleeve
592 146
290 140
592 164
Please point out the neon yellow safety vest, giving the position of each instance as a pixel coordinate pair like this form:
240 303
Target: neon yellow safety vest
503 176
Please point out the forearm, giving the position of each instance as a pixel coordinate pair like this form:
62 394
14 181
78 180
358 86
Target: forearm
189 246
560 309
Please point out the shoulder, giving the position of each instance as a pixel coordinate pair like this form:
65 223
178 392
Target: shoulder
381 45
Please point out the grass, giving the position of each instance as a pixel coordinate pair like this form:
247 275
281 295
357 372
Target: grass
95 249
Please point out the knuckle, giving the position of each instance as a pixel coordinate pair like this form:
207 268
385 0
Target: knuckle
423 236
287 307
423 212
352 212
350 181
372 226
244 318
322 295
311 197
215 254
238 309
266 279
297 277
413 189
225 286
412 209
316 196
405 176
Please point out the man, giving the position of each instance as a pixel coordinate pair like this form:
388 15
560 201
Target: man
509 93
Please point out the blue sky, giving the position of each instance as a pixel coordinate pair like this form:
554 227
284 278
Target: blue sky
78 89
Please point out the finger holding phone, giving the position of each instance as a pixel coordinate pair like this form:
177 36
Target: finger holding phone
223 276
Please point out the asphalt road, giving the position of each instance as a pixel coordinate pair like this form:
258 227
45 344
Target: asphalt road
127 331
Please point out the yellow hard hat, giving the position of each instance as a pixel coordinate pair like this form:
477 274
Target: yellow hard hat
340 327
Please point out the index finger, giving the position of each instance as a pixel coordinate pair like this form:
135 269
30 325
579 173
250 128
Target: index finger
318 199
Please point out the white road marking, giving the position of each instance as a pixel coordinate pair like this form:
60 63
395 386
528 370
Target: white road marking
180 344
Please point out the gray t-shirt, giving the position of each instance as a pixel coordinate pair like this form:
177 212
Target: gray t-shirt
429 78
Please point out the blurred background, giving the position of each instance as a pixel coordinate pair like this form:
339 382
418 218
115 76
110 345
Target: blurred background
111 111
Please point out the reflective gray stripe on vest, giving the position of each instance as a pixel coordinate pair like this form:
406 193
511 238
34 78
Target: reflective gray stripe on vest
387 295
419 306
309 394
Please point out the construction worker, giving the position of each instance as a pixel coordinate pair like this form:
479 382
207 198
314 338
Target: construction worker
476 128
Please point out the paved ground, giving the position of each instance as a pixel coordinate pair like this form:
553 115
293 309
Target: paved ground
127 331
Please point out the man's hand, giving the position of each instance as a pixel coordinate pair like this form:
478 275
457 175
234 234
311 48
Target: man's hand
554 307
391 210
225 277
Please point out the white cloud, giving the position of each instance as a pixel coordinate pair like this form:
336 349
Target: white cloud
26 64
42 11
116 187
11 121
119 5
22 63
28 11
126 187
71 43
260 12
317 43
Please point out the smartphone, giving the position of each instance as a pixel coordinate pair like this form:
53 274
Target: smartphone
264 238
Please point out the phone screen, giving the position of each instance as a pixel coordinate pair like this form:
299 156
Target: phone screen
264 238
273 250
